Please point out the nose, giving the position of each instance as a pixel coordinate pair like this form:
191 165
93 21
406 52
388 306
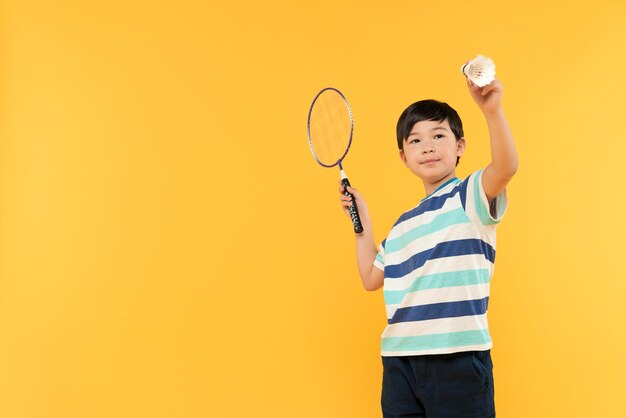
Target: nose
428 148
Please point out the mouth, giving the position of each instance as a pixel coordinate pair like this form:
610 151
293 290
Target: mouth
430 161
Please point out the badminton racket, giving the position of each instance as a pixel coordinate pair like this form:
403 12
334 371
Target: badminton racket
330 127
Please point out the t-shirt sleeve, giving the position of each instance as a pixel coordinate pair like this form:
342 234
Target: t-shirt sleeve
476 205
379 261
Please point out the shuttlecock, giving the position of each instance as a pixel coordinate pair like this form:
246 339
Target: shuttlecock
480 71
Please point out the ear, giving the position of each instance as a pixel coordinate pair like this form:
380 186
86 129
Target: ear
402 156
460 147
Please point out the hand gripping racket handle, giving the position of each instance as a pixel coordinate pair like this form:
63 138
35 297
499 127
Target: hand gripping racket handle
354 211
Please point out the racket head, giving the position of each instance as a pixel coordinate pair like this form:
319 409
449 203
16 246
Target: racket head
330 127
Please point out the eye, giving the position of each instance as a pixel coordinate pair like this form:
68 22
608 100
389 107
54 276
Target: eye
414 141
438 136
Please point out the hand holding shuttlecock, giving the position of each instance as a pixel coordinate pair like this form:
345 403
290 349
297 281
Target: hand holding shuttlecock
480 71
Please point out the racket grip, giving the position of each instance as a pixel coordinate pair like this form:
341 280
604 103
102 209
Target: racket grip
354 211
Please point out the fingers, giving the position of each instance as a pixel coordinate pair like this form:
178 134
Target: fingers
347 201
494 85
346 198
489 87
351 190
472 87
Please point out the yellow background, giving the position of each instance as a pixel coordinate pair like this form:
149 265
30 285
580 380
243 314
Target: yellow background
169 247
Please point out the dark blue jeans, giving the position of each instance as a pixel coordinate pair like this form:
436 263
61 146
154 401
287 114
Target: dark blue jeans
458 385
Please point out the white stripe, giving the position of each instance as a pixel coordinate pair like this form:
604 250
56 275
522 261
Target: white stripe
501 203
379 265
439 265
448 350
452 233
446 189
446 294
470 203
447 203
450 204
441 295
436 326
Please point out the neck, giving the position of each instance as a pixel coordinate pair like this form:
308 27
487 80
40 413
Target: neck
431 186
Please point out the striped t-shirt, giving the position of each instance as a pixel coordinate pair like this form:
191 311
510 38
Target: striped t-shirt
438 261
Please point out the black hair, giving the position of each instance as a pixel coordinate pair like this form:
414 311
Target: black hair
428 110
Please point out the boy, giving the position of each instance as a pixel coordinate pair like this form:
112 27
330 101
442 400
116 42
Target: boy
437 262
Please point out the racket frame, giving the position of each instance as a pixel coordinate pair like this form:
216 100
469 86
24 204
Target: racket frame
354 212
308 127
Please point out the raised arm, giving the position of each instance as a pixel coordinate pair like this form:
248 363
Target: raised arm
366 250
503 153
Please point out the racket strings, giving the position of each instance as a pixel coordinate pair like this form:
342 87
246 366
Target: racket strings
330 128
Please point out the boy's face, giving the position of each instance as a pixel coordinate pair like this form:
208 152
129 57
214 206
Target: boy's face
431 152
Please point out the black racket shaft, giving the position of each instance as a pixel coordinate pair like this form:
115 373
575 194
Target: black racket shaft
354 211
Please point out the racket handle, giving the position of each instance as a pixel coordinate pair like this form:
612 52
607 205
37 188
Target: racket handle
354 211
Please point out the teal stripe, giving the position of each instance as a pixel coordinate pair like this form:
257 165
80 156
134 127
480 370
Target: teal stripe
439 280
483 212
440 222
436 341
380 258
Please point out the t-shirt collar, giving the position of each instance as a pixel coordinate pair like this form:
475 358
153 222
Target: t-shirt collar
440 187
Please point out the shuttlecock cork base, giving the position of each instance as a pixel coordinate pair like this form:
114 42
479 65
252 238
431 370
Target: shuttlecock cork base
480 71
